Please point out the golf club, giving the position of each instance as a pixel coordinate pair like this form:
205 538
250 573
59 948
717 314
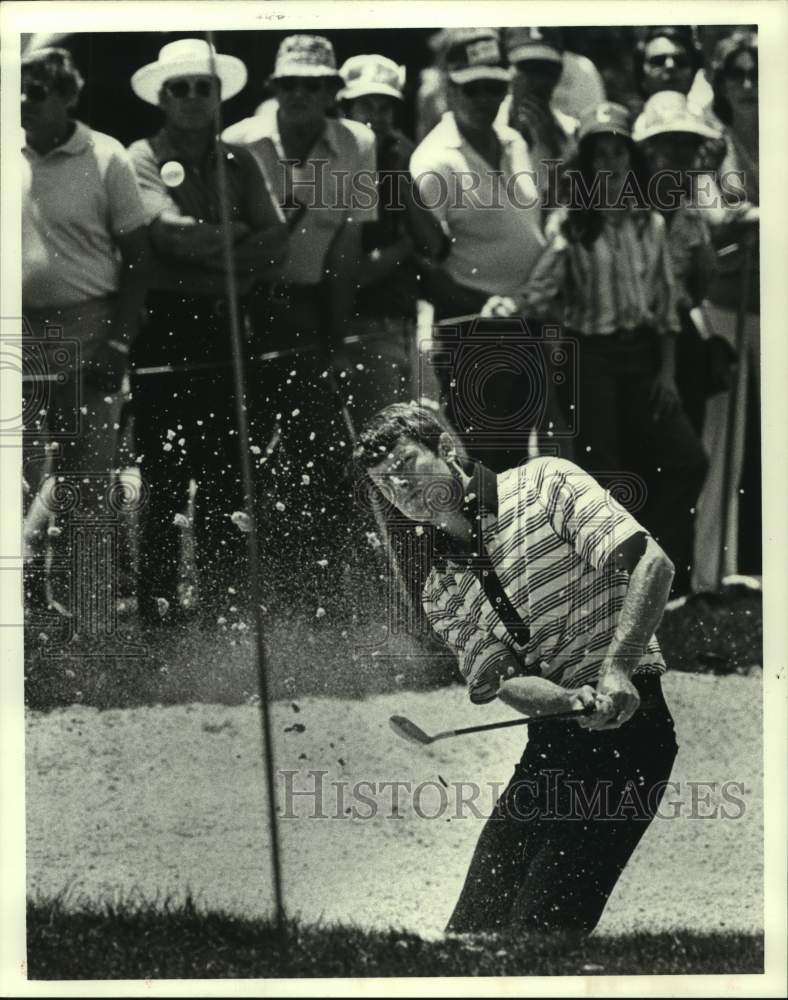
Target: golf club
410 731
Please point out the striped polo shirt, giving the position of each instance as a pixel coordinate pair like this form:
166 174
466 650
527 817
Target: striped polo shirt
539 582
623 280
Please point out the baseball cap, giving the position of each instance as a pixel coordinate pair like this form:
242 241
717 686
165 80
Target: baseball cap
475 54
670 111
605 118
545 44
371 75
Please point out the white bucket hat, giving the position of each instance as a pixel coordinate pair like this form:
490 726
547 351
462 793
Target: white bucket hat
306 55
371 75
189 56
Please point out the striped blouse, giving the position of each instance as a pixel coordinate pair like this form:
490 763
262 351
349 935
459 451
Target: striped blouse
622 281
548 531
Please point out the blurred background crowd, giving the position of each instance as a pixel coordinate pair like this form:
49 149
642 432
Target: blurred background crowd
598 184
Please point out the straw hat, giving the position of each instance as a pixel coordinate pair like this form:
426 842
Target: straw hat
187 57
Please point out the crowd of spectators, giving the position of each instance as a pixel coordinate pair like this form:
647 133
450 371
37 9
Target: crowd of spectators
364 261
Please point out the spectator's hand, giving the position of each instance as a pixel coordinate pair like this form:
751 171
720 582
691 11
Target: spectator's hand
499 305
751 216
533 118
664 395
617 698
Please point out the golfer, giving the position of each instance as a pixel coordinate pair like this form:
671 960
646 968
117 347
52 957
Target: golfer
549 592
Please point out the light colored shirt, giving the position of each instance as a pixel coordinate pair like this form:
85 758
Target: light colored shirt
76 199
491 216
549 529
623 280
336 184
689 244
196 195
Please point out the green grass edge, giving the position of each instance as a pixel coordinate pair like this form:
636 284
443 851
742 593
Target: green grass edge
167 940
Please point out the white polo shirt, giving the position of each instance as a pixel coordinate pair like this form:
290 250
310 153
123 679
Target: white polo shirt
75 200
492 217
336 184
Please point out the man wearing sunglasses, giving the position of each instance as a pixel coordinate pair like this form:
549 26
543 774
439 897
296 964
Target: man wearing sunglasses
667 57
185 423
84 263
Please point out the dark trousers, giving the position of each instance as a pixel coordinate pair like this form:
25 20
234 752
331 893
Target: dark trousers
185 429
563 830
691 363
497 390
617 433
305 504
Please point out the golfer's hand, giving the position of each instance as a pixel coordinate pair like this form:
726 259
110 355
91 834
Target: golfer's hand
664 396
618 699
584 699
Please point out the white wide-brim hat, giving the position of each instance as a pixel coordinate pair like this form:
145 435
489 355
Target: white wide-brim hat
187 57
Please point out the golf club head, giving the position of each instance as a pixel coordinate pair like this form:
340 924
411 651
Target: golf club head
408 730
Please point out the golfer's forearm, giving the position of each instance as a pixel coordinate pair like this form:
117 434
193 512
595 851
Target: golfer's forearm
534 695
644 604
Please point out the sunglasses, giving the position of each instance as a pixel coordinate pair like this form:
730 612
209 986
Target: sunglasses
35 91
485 88
187 88
311 84
738 75
679 59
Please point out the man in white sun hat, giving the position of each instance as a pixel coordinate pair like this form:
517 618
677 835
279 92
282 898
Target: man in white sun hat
671 132
185 425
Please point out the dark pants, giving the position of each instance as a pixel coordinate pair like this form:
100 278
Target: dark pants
497 390
185 429
691 362
617 433
550 855
304 492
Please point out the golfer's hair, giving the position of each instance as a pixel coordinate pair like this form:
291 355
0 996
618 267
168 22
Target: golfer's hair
56 68
399 420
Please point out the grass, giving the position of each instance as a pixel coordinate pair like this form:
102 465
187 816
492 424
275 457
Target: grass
310 655
142 941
